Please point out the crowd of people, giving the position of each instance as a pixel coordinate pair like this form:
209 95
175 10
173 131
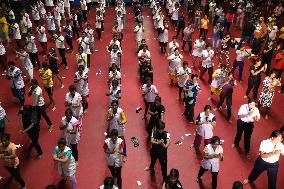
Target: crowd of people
260 38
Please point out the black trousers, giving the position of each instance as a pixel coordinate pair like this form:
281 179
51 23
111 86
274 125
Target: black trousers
256 45
239 64
189 111
116 174
214 176
153 122
189 45
247 129
15 172
34 59
34 136
69 42
253 83
88 60
99 32
40 111
75 151
163 163
62 53
180 28
271 168
228 104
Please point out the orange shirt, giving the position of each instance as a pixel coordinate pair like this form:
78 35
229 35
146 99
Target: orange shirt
204 23
7 152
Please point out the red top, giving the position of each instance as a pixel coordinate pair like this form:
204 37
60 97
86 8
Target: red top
230 17
279 60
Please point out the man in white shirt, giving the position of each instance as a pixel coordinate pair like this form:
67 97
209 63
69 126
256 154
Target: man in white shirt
59 42
113 148
268 160
183 73
32 50
42 38
207 63
38 103
248 114
149 92
14 75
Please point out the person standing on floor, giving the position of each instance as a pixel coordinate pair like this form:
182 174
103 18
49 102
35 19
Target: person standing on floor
108 184
205 122
26 62
113 147
32 50
259 34
68 34
99 25
46 77
31 127
38 103
149 92
156 111
242 53
187 37
183 73
53 65
172 181
212 155
17 85
59 42
267 93
268 160
160 141
42 38
81 79
207 63
116 119
175 63
73 100
62 155
10 158
181 24
254 79
191 88
69 125
248 114
227 93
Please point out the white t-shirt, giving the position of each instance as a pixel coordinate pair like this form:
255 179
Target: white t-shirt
207 58
31 46
50 23
139 32
71 138
17 79
49 3
267 146
2 49
37 92
77 111
16 31
214 163
183 75
42 34
149 92
26 61
82 82
2 112
35 14
59 42
114 159
248 115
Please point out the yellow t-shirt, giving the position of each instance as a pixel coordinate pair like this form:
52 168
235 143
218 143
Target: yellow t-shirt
46 76
4 25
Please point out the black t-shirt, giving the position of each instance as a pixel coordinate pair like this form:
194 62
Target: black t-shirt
28 119
177 185
160 109
158 149
255 69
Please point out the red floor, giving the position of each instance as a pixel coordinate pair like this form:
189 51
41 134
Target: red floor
92 167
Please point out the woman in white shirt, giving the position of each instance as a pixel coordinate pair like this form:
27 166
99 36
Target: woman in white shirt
174 65
17 34
212 155
206 121
114 92
175 15
139 30
73 100
26 62
81 79
207 63
36 14
50 22
198 47
164 36
69 125
116 119
268 160
183 73
99 24
42 38
57 18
